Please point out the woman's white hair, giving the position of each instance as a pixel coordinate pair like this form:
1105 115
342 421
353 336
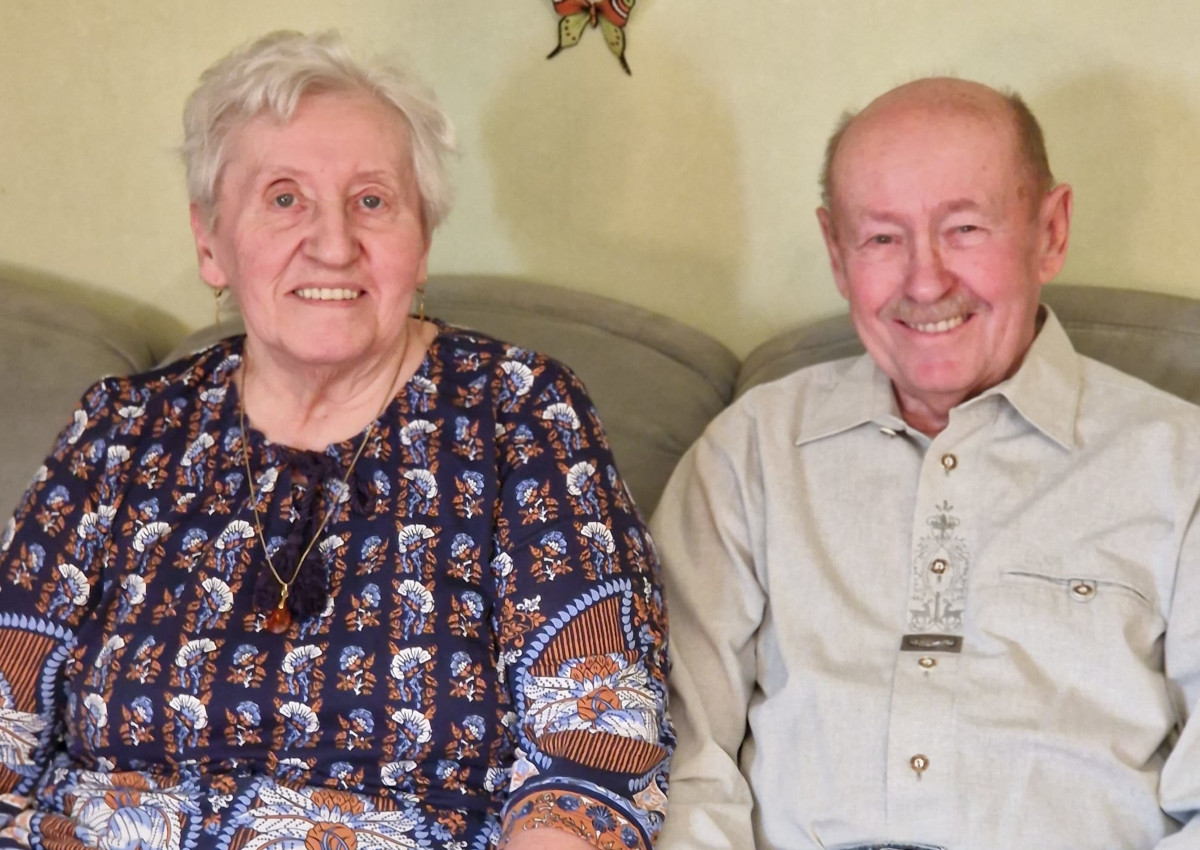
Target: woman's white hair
272 74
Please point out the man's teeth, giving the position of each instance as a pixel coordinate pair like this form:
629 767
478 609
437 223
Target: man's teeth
318 294
938 327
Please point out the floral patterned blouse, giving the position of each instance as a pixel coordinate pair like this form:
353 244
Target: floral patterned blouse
490 655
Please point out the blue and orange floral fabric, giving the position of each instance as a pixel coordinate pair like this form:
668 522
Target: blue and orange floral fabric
490 657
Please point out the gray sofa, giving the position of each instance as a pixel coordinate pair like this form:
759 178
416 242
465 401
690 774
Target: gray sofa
656 382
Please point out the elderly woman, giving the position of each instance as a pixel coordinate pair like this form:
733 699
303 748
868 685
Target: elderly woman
357 579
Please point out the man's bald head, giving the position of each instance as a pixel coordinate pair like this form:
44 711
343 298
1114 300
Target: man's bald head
947 95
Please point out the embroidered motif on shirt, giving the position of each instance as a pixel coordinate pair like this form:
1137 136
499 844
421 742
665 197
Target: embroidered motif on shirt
938 591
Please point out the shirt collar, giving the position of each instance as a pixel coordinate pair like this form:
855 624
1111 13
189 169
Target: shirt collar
1044 391
860 394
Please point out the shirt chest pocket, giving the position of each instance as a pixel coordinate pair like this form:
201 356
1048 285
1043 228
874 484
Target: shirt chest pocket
1080 585
1069 636
1056 603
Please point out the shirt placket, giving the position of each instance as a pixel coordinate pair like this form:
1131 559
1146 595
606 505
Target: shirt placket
921 763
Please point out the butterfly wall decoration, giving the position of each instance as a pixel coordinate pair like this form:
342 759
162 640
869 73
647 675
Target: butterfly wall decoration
575 16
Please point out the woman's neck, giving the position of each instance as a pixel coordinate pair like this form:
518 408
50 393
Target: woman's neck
310 409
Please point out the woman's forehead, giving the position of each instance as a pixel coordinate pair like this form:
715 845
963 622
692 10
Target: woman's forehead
327 132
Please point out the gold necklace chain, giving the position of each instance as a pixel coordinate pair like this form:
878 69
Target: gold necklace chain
279 620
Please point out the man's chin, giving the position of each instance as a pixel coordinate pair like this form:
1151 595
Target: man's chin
937 388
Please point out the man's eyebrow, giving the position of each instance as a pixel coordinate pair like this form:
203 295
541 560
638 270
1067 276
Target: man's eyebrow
960 205
879 216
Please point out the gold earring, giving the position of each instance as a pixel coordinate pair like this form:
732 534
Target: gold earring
217 305
420 311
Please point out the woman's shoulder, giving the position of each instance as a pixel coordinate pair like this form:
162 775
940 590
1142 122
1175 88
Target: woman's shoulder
458 346
206 370
220 358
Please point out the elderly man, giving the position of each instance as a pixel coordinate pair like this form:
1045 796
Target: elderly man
944 595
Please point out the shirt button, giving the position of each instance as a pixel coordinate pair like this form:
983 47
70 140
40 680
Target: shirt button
949 462
927 662
1083 590
938 566
891 432
919 763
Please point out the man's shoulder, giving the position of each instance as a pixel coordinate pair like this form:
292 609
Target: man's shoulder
1116 409
783 401
1107 390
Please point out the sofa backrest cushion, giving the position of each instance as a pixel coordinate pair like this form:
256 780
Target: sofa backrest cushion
51 349
655 382
1149 335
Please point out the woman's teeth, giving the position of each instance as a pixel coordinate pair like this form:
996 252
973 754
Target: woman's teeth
318 294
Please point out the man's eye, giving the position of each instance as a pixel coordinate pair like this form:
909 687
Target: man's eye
966 228
285 200
372 202
881 239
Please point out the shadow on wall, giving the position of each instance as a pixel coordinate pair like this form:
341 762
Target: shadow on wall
1128 147
147 322
624 186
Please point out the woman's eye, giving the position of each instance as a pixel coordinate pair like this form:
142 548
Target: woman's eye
285 200
372 202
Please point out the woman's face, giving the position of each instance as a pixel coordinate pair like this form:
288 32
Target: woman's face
318 232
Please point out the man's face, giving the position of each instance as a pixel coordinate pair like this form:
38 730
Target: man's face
941 244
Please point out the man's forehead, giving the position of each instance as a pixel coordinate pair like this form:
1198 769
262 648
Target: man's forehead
938 125
915 108
913 136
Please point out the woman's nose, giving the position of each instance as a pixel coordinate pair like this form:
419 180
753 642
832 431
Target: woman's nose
332 239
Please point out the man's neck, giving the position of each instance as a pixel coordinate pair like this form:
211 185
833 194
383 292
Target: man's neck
928 420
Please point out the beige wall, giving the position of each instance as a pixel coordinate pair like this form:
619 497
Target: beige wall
688 188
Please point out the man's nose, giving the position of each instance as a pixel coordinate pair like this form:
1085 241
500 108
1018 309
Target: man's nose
332 238
929 279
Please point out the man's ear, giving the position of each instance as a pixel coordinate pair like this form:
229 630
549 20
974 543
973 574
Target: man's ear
202 232
835 258
1054 231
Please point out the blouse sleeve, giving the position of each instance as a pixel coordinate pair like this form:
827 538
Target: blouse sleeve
579 619
51 555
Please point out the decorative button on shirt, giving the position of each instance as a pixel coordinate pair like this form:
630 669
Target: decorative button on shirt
1083 590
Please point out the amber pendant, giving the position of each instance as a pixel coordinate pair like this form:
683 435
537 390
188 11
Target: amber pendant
279 620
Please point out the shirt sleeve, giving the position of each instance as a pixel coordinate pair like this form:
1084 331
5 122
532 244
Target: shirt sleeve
51 556
1179 784
706 543
579 619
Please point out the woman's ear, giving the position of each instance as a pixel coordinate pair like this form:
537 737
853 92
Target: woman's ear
211 271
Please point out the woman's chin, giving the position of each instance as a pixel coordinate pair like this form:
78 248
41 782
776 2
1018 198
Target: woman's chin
317 352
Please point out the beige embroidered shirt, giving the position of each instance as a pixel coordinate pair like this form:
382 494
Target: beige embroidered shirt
988 639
